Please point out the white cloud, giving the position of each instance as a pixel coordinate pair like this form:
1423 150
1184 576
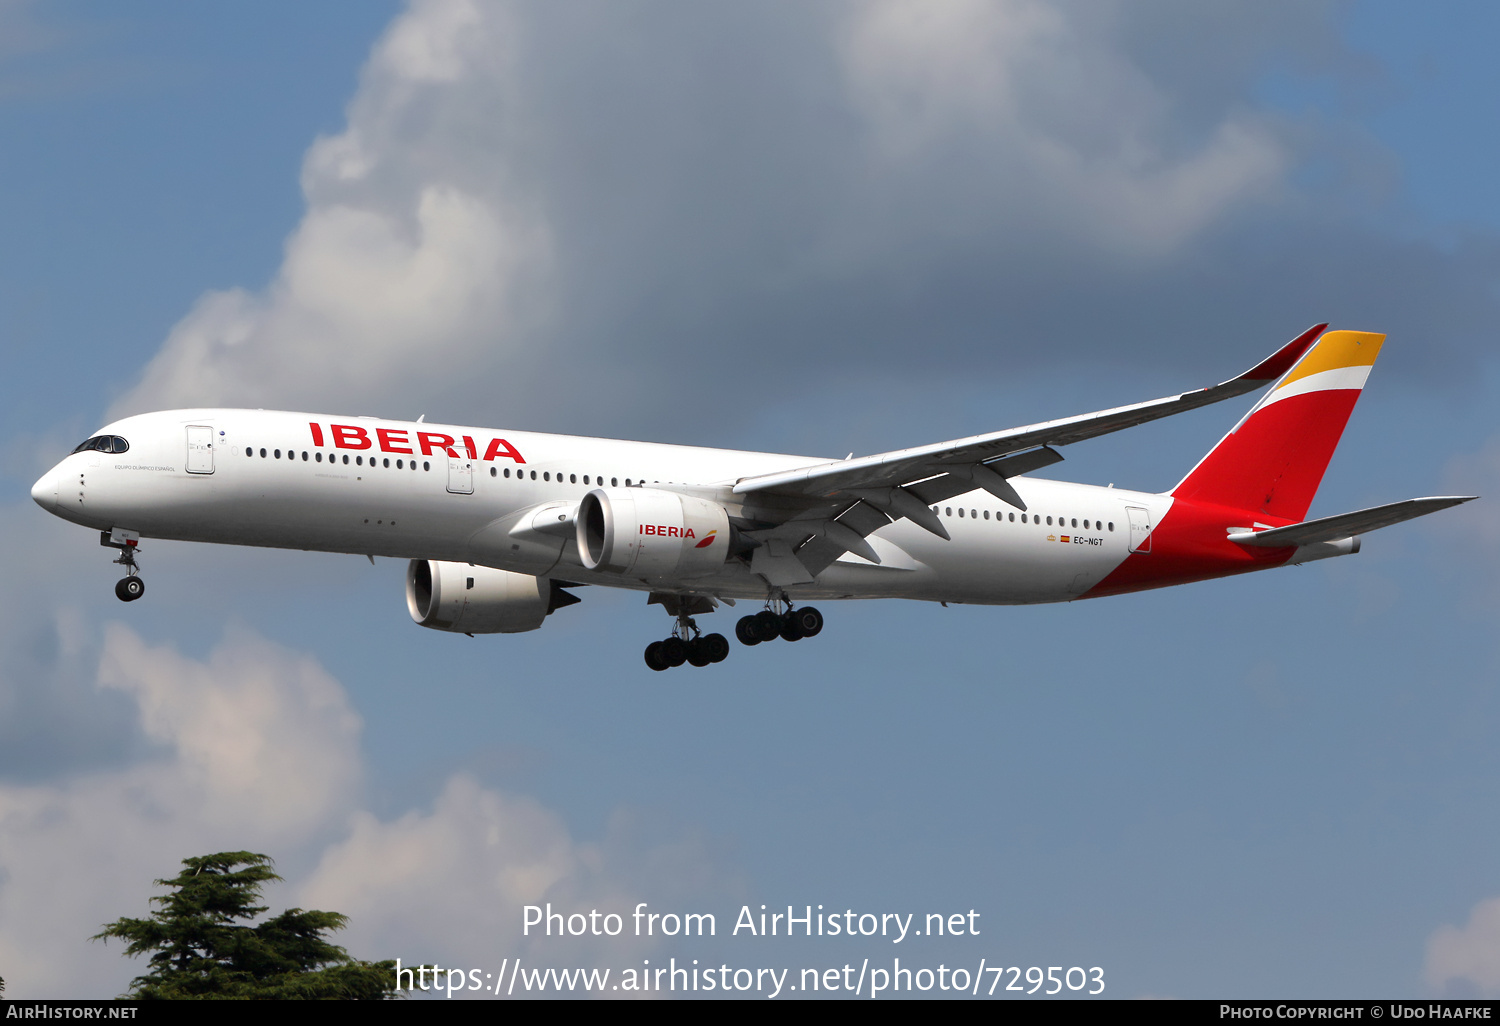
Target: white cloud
449 885
259 750
1061 117
409 264
520 193
1468 954
264 740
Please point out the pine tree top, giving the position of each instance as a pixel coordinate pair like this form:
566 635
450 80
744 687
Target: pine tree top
202 946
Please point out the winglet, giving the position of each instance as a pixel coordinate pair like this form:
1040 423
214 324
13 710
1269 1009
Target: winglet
1281 361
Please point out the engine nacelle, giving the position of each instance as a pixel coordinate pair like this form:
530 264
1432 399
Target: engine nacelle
470 599
645 532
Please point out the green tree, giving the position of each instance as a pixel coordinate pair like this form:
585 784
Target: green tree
202 948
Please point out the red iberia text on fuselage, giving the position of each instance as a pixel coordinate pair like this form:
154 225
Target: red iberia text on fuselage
399 441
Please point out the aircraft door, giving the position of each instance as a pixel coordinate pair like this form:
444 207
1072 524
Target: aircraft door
1140 528
200 449
460 475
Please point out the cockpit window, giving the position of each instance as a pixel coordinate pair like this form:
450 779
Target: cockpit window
104 443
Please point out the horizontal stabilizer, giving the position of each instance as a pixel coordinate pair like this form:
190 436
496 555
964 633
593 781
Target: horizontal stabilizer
1346 525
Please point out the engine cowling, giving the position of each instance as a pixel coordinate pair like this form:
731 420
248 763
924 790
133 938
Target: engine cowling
648 533
469 599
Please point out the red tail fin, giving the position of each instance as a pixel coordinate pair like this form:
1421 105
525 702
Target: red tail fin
1274 459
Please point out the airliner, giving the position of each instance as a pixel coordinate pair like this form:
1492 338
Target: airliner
501 527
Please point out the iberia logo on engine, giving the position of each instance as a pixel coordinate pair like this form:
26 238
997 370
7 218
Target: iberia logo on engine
664 531
668 532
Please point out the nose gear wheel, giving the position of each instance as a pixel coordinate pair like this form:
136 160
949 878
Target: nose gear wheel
130 587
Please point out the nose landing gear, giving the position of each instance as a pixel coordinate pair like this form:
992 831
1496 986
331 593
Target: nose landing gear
130 587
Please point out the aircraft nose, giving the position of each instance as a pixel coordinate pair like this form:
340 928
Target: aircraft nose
45 490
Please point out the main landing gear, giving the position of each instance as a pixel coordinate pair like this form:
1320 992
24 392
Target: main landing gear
687 645
130 587
769 624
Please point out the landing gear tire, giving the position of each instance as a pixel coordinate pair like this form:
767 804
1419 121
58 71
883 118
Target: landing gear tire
747 630
697 652
791 630
768 625
808 620
673 651
128 589
717 647
653 656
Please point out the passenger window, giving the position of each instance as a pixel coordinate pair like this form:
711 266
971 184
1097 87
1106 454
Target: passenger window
1075 521
986 514
249 451
319 457
426 465
278 454
493 471
572 479
1013 518
1111 525
385 463
400 465
346 459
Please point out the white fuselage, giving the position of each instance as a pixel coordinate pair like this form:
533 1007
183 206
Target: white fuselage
394 488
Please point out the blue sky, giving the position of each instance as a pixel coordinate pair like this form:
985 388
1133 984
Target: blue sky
805 228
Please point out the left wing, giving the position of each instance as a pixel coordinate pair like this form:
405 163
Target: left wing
813 515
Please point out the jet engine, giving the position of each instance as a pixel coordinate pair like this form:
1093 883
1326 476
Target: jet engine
469 599
646 533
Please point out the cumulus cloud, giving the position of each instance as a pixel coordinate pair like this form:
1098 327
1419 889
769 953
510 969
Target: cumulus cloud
450 884
257 748
1468 954
537 219
1067 122
409 260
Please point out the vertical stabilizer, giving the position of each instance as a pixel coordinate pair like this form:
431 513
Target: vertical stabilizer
1274 459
